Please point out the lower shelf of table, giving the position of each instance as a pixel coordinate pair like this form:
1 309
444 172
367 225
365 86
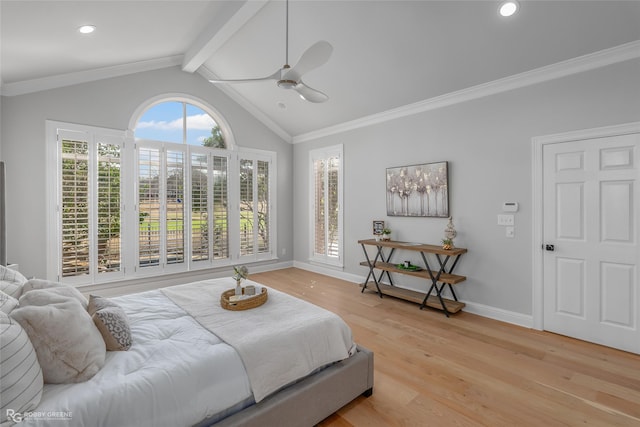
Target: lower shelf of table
417 297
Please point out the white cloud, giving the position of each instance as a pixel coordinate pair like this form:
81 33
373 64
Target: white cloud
161 125
200 121
197 121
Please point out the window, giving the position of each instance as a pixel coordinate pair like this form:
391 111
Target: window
326 205
191 201
255 208
89 204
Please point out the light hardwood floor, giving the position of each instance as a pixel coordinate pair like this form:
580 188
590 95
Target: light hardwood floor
468 370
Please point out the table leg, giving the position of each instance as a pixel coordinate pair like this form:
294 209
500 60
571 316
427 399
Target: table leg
371 272
388 259
434 282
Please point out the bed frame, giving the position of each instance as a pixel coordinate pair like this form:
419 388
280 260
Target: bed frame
309 401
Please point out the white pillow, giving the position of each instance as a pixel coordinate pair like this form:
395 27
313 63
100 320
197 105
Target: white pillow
11 281
69 346
7 303
21 385
55 287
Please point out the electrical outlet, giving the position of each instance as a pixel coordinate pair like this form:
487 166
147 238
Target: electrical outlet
510 232
506 219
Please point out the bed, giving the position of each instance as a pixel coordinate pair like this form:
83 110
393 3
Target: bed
179 372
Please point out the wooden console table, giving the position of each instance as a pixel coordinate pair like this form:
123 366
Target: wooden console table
437 278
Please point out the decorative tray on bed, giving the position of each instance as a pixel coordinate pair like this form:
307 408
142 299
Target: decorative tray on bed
245 303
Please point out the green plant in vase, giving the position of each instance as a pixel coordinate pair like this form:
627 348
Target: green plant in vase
386 234
447 244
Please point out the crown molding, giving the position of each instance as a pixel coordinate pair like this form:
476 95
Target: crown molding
62 80
244 103
576 65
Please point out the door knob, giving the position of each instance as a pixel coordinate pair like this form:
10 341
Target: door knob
549 248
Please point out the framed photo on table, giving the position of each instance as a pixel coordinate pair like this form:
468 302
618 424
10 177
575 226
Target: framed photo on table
378 226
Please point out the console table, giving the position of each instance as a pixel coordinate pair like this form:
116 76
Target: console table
437 278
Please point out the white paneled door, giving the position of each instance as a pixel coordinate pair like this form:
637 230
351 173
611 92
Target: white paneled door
591 203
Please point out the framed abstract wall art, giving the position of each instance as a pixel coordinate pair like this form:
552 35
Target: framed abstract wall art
418 190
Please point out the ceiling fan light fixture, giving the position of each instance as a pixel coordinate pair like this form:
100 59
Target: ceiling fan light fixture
508 8
287 84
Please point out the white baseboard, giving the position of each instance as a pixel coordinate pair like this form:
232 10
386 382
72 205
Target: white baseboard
329 271
495 313
524 320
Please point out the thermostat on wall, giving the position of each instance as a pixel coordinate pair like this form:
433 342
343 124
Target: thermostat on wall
510 207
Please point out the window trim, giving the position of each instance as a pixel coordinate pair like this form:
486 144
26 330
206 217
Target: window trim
324 153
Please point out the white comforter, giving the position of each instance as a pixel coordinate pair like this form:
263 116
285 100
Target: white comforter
279 342
176 374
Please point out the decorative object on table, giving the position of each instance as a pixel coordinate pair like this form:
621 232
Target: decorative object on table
450 232
229 301
447 244
386 234
241 273
378 226
249 290
409 267
418 190
407 264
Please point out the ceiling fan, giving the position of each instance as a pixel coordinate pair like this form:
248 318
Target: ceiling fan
289 77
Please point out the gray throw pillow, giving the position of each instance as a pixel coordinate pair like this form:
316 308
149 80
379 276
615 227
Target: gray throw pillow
112 322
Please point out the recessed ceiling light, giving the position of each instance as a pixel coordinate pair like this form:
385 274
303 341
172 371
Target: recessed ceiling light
508 8
87 29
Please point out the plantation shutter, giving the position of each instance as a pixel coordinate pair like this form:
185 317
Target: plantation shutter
220 208
326 202
200 207
149 206
255 206
75 204
89 206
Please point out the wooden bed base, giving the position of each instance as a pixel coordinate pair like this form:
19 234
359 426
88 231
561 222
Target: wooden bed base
309 401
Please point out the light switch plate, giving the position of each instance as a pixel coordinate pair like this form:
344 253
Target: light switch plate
506 219
510 232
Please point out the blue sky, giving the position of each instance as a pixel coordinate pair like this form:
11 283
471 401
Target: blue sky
164 122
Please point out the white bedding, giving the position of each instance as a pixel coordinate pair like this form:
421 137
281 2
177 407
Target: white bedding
279 342
175 374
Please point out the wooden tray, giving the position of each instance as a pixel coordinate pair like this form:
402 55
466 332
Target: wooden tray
244 304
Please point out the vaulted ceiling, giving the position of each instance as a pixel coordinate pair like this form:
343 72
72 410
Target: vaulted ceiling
386 54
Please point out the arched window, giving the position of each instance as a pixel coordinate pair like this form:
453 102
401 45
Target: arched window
180 122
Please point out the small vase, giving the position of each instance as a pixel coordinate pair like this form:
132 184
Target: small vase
238 288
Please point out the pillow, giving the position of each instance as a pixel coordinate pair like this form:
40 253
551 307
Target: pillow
112 322
11 281
69 346
55 287
7 303
21 385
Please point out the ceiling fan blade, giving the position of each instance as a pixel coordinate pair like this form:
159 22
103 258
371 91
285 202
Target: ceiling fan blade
274 76
309 94
318 54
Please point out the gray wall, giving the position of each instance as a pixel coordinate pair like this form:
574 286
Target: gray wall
487 143
109 103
